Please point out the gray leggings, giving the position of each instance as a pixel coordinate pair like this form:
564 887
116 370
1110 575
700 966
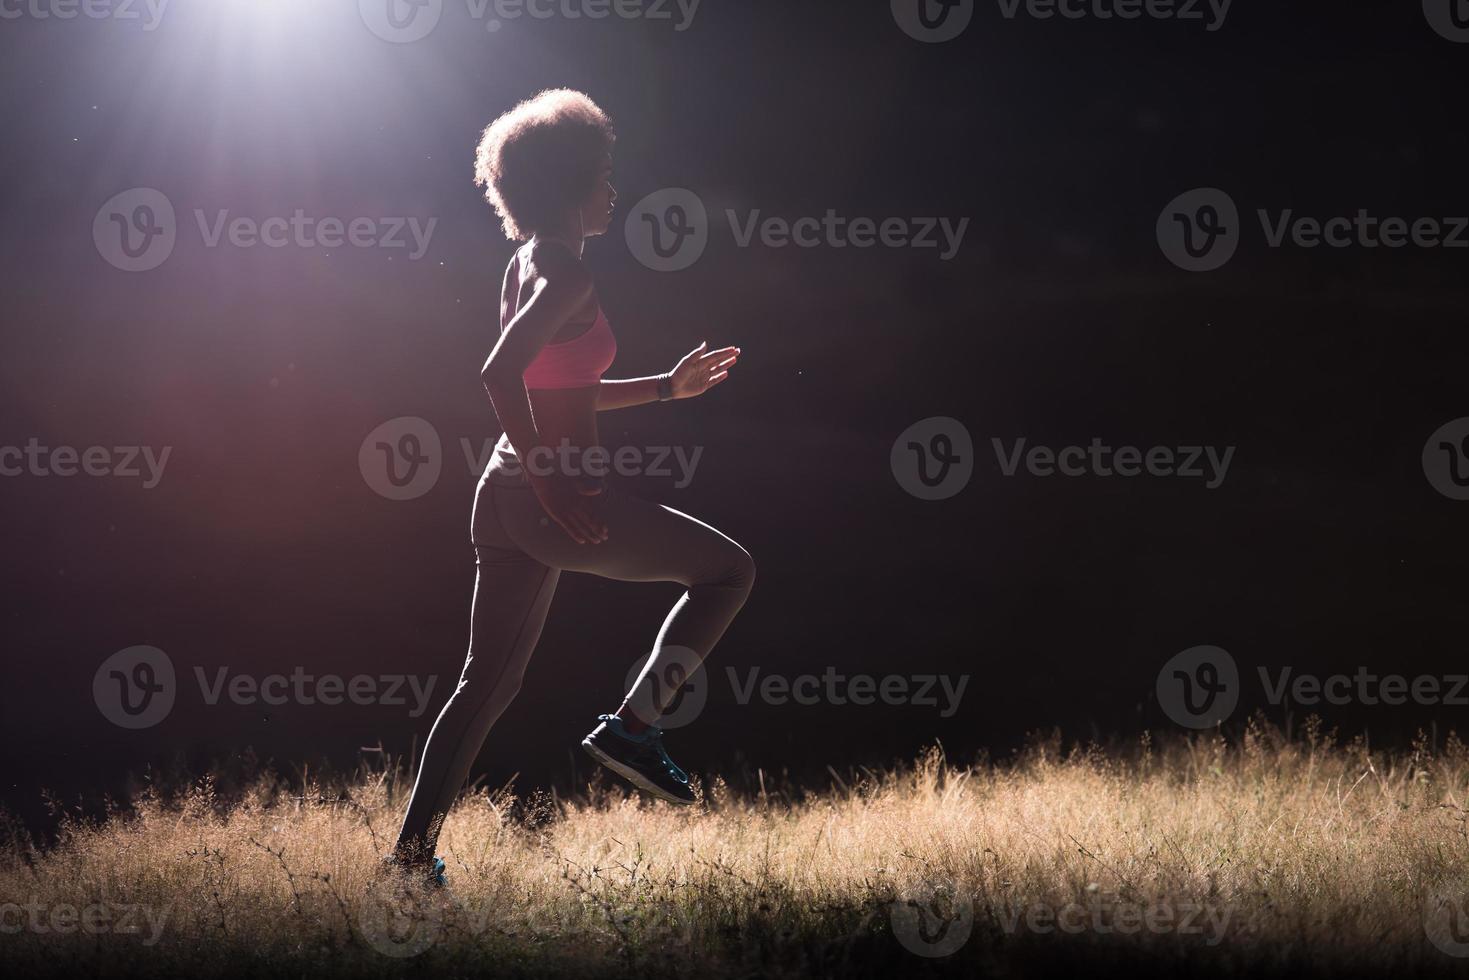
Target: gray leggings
520 555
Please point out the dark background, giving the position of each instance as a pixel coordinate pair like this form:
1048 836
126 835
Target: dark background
1060 320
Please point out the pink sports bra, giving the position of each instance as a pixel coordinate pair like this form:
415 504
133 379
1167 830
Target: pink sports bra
575 363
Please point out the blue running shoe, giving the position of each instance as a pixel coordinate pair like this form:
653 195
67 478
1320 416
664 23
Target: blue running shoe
640 759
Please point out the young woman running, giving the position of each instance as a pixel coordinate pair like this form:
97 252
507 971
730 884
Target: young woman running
546 167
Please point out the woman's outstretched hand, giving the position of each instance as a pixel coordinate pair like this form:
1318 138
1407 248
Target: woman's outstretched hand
701 370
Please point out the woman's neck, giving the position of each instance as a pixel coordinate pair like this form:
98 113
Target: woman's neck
572 238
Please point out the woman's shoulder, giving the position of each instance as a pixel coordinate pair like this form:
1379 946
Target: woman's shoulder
551 257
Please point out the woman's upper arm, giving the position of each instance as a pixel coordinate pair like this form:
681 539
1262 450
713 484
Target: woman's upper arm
507 290
562 286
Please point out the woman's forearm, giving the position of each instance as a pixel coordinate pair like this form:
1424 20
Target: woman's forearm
627 392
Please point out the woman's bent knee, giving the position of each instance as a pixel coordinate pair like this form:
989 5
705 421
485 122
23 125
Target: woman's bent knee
741 571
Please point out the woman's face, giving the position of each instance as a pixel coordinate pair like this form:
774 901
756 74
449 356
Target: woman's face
596 210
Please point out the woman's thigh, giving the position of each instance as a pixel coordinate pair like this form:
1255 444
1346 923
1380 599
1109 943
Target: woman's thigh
512 596
646 541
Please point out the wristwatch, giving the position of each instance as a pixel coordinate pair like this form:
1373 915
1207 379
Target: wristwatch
665 387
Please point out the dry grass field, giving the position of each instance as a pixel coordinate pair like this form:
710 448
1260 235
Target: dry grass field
1201 855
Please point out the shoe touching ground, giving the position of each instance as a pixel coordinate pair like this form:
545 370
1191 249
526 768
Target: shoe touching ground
640 759
430 873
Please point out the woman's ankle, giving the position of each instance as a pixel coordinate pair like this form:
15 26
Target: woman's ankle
631 722
408 854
